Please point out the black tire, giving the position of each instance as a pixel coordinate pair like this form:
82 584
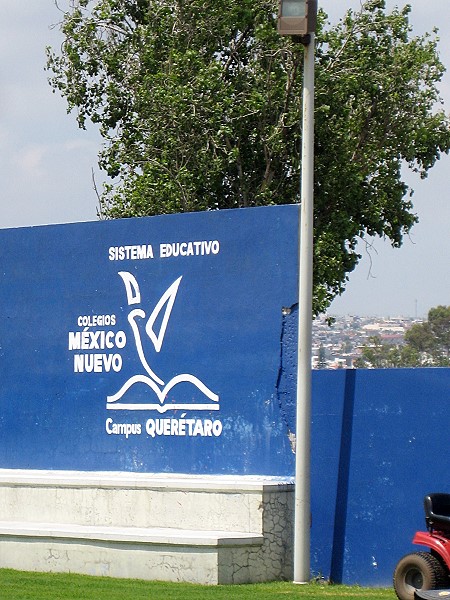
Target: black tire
418 571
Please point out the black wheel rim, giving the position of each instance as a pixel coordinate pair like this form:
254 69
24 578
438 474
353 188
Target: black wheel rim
414 578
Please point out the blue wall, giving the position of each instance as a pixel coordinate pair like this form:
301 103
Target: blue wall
147 344
379 444
116 355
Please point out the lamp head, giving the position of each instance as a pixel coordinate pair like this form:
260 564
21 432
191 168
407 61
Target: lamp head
297 17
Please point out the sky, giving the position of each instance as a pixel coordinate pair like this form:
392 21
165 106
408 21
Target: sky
47 164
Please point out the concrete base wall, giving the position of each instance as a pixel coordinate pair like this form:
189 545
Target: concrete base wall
208 529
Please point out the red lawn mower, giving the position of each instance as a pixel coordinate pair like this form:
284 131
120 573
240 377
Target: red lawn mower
421 571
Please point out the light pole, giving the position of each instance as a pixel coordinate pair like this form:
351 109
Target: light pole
297 18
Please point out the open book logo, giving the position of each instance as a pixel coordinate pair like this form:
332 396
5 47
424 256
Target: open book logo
160 314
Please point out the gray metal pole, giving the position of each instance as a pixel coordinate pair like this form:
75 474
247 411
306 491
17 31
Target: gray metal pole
303 421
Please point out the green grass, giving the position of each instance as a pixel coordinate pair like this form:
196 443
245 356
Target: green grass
18 585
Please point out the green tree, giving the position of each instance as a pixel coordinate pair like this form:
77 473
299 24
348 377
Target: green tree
199 105
432 338
377 354
427 344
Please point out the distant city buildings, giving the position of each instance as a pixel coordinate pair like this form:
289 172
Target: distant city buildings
339 345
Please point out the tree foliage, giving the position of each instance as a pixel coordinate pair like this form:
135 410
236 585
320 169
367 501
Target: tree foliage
199 105
427 344
432 337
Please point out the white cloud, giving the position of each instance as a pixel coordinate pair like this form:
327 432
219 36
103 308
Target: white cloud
29 160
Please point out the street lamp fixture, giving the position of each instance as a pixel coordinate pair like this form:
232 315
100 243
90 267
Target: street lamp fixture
297 17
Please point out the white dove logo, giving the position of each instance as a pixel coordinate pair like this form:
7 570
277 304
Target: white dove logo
152 380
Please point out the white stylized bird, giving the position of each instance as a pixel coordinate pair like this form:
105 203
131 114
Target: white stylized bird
165 303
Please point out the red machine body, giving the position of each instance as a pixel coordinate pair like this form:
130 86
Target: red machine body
437 542
422 571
